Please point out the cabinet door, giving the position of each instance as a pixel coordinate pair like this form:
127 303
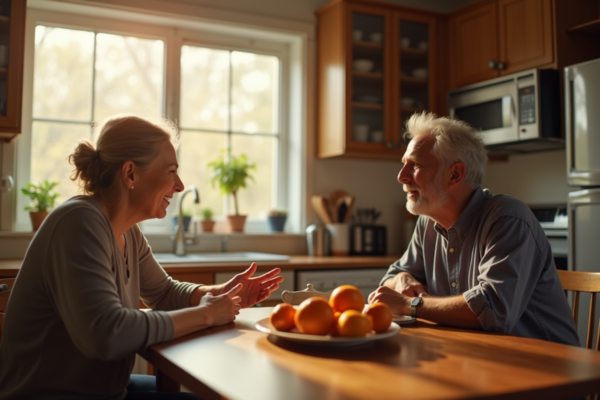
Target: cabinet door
474 44
525 33
12 35
415 82
369 66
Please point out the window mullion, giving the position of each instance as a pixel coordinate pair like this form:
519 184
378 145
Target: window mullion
93 91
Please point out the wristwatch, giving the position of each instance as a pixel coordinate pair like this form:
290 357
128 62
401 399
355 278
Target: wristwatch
413 306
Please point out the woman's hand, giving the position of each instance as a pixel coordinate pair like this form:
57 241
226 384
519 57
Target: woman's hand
255 289
223 308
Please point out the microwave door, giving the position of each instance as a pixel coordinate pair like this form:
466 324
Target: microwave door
496 118
582 88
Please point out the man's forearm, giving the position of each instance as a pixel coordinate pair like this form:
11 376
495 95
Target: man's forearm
452 311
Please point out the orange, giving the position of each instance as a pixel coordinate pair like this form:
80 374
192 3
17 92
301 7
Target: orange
334 325
381 315
354 323
347 297
282 317
314 316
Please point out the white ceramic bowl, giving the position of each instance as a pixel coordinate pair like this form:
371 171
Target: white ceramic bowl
405 43
357 35
363 65
407 102
376 37
361 133
420 73
423 45
377 136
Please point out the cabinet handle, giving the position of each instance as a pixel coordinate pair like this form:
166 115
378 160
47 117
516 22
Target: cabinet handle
501 66
390 145
492 64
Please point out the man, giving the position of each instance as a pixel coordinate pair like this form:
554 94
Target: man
475 260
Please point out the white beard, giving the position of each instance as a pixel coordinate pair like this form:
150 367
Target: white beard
433 197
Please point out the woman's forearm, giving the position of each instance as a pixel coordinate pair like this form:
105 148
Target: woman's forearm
202 290
190 320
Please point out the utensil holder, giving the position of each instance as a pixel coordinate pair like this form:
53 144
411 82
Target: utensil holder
340 239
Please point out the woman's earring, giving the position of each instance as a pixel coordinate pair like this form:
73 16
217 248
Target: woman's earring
132 186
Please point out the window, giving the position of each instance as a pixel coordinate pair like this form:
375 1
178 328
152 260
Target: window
80 77
229 101
226 91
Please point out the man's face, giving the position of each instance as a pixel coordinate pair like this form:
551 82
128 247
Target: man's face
422 178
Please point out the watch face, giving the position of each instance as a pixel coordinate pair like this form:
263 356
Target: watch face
416 301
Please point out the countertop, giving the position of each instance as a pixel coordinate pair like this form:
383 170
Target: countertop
10 268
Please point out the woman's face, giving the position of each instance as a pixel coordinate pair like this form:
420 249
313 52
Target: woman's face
154 190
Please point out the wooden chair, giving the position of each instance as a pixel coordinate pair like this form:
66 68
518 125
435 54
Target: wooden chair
4 299
588 282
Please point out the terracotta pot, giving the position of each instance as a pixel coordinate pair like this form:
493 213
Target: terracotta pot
207 226
37 217
236 222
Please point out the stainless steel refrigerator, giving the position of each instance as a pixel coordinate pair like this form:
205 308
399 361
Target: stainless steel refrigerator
582 119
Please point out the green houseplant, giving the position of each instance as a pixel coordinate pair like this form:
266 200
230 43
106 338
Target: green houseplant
41 201
206 219
232 174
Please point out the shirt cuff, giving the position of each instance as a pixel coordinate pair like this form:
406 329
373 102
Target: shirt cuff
476 300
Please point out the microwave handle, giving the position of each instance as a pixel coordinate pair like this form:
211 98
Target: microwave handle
570 121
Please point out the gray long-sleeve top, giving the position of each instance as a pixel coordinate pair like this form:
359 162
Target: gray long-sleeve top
73 323
497 256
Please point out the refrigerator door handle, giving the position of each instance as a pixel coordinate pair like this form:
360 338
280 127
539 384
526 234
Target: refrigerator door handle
569 119
571 234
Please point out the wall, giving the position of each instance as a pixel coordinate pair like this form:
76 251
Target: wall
538 178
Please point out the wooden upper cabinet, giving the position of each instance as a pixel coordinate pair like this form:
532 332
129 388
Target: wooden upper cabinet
370 56
525 34
474 45
494 38
12 44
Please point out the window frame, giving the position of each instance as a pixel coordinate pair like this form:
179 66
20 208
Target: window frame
289 48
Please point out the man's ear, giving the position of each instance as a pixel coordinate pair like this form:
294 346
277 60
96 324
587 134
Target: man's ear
128 174
458 171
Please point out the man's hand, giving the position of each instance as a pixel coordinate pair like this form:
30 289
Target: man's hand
398 303
405 284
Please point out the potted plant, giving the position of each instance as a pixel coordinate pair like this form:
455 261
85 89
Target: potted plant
231 174
206 219
277 218
41 201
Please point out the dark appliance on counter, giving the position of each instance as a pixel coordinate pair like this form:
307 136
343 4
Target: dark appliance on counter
555 223
582 121
368 240
518 113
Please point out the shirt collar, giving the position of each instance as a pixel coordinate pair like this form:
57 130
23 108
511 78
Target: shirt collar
464 222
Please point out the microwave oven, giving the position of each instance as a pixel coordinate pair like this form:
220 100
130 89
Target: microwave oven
518 113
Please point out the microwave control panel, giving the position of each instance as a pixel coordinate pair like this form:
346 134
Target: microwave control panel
527 105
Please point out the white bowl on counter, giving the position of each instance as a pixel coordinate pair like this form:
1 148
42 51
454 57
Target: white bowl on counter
420 73
363 65
407 101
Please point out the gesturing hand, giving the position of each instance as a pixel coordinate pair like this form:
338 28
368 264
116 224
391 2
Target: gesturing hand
224 307
256 288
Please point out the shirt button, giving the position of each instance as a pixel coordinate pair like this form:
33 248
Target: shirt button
451 249
453 284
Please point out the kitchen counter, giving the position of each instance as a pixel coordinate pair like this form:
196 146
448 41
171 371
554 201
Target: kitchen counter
10 268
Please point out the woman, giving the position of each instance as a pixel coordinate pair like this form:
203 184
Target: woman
73 323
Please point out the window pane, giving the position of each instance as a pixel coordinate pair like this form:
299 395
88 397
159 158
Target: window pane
51 145
129 76
196 150
62 79
255 80
204 88
257 198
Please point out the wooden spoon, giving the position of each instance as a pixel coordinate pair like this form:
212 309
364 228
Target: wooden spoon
349 201
336 198
321 207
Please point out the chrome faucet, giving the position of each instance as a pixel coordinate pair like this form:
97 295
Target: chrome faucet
180 239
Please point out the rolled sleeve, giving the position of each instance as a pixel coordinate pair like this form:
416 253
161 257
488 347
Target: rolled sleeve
507 275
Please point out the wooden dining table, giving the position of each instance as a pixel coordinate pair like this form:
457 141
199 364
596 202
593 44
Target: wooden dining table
423 361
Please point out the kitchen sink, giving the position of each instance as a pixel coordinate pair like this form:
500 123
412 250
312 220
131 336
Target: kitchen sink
227 257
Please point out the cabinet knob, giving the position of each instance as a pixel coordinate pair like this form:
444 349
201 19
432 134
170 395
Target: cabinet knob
501 66
492 64
390 145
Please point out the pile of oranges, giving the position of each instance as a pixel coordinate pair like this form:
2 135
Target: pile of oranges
342 315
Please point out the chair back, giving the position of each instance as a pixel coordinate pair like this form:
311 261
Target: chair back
4 283
588 282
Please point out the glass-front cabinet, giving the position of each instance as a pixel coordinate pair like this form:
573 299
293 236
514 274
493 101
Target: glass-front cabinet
374 72
12 34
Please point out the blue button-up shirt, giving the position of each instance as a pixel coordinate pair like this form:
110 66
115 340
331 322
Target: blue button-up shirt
497 256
